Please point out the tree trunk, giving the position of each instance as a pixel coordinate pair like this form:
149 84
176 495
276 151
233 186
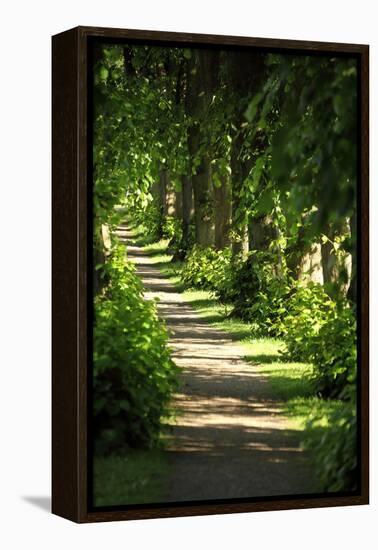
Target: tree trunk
329 263
163 184
187 205
296 254
202 77
239 217
178 205
222 204
304 260
203 203
170 197
261 233
337 266
243 84
162 199
310 265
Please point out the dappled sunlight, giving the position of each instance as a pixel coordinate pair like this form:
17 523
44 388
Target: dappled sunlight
230 410
221 439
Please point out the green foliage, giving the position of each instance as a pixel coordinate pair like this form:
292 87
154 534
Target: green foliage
258 290
133 376
332 442
172 229
151 219
307 110
139 124
157 226
324 332
205 267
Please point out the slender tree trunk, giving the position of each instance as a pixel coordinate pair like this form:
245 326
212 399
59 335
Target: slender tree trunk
162 198
203 203
202 79
187 205
337 267
170 196
178 205
261 233
163 185
296 255
328 263
222 207
310 265
239 218
243 85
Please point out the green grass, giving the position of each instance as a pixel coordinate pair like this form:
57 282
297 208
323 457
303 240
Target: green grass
129 479
141 235
157 251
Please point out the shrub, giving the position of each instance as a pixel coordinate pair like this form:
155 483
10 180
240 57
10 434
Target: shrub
180 246
333 446
308 308
171 229
335 354
157 224
258 291
151 220
206 268
322 331
133 374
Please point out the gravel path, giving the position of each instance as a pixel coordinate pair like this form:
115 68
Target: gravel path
230 439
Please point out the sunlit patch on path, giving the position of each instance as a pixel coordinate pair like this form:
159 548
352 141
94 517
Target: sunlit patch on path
230 438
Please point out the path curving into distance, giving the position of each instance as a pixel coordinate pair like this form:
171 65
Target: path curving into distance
230 439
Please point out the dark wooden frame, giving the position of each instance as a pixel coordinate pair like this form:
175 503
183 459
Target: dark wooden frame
70 276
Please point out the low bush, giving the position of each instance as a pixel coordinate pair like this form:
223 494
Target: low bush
322 331
150 219
258 291
206 268
171 229
156 223
133 374
332 442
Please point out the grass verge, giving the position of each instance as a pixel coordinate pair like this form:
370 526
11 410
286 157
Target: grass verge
133 478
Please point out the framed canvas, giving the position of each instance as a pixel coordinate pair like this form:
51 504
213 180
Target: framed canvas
210 274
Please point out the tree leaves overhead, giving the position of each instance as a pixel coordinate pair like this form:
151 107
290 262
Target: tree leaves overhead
309 113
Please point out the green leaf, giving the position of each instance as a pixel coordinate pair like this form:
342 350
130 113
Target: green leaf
104 73
253 106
